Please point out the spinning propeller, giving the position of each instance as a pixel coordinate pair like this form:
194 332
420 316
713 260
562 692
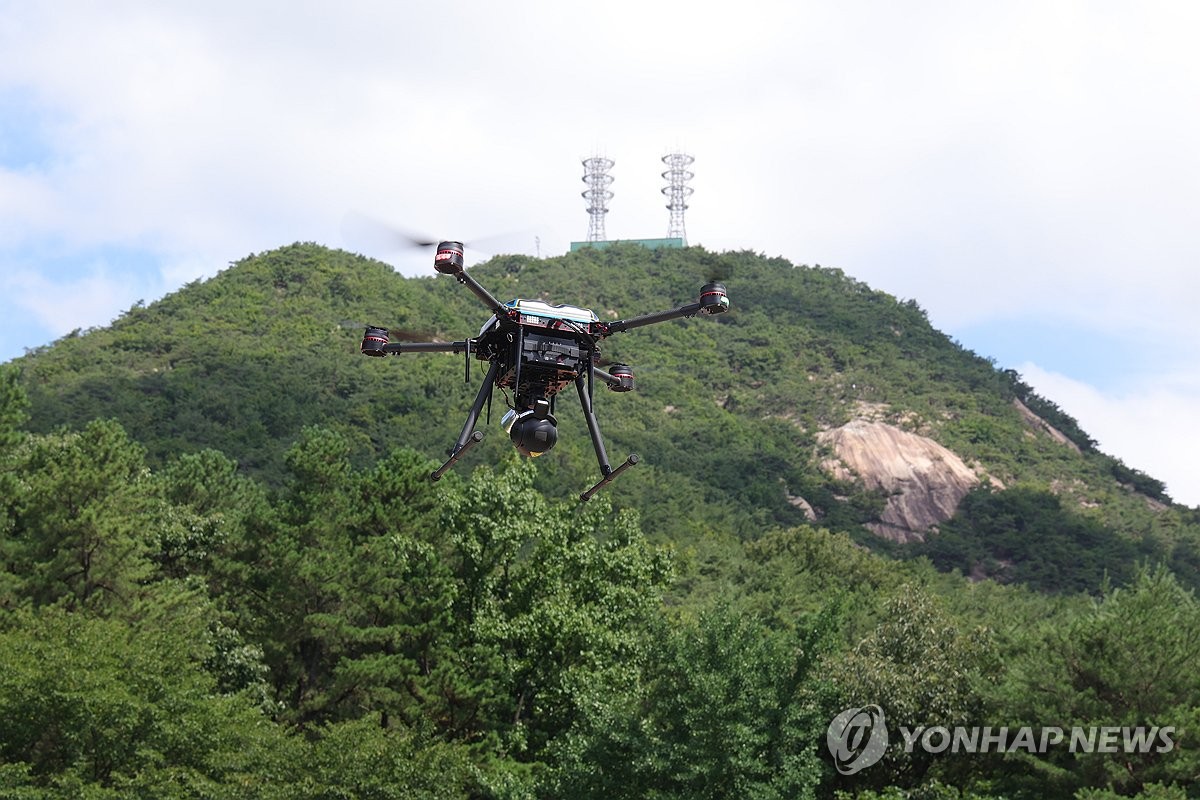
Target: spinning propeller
404 333
360 231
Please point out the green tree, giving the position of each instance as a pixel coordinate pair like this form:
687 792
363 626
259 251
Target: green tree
207 520
362 759
80 529
14 406
1127 662
1026 535
296 561
724 708
391 630
554 600
100 708
573 616
924 669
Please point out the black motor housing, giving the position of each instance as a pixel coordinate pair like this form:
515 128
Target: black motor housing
449 258
624 374
373 342
713 299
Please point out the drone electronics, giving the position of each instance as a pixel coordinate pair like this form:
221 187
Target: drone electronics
535 350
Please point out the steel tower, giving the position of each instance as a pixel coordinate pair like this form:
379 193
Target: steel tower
595 175
677 176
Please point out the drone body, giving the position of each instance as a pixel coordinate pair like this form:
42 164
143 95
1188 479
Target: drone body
536 350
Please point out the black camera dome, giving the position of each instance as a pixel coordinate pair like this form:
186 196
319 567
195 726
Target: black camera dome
532 436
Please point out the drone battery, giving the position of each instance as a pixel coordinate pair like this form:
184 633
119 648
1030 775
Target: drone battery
541 364
559 354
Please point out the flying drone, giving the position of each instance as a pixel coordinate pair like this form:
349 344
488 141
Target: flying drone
535 350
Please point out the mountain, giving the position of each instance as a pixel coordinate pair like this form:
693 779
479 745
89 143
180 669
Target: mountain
224 571
816 400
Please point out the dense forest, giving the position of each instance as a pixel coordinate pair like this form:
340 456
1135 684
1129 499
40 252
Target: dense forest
224 571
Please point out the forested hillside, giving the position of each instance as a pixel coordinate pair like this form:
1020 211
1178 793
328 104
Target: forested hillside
728 416
226 573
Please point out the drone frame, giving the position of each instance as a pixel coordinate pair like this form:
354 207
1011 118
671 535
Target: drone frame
449 261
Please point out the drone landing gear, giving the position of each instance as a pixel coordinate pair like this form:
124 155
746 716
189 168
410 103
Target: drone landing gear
457 453
610 474
469 436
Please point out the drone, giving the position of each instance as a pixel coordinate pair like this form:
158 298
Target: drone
535 350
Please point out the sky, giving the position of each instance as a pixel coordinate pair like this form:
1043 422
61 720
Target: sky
1028 172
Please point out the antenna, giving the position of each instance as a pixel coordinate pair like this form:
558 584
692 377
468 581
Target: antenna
677 176
597 194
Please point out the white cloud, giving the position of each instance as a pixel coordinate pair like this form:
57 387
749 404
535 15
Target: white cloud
1153 427
61 306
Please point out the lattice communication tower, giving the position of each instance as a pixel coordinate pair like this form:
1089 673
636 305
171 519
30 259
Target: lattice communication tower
677 190
595 175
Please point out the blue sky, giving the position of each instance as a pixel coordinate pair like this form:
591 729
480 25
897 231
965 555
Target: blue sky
1026 171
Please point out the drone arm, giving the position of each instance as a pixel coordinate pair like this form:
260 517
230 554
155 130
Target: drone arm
396 348
610 379
622 325
483 294
619 380
449 261
713 300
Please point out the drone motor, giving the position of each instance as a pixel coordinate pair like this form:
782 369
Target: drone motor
624 376
374 341
713 299
449 258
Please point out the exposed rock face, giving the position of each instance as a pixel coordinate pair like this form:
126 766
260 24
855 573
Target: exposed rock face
799 502
1038 424
924 480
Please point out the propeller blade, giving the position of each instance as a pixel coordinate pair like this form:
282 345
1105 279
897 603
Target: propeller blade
397 334
360 230
717 268
499 242
719 273
605 363
363 231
